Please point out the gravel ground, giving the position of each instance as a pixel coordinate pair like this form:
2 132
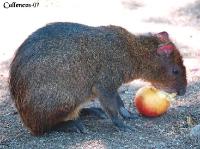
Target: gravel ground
172 130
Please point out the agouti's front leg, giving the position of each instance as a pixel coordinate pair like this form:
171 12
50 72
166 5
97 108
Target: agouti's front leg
123 111
110 103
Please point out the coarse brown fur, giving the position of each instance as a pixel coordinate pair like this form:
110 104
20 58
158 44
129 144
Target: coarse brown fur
64 65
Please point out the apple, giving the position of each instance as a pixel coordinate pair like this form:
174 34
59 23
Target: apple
152 102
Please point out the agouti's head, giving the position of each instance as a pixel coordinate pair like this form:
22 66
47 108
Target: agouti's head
166 70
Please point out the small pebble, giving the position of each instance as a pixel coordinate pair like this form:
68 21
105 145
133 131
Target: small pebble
195 132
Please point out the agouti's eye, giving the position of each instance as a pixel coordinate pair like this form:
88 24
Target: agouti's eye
175 71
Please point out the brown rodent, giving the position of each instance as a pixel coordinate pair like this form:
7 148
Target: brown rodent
63 65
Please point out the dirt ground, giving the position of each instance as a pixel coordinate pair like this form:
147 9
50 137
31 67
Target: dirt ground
179 18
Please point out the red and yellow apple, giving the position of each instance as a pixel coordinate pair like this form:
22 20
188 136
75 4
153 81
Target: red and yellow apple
152 102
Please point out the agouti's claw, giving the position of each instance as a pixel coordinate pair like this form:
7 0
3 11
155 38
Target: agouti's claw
126 114
121 126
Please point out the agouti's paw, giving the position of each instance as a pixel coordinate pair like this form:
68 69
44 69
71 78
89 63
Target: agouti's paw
126 114
121 126
93 112
79 126
71 126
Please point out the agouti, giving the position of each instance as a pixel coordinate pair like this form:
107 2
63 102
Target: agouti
63 65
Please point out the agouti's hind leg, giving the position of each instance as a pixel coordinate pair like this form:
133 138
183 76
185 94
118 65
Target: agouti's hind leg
93 112
70 126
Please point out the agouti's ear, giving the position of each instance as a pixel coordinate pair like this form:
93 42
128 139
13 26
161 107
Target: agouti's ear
165 50
163 36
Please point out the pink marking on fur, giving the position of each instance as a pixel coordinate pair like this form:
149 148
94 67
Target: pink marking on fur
167 49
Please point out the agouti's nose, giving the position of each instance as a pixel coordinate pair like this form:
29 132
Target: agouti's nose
181 92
